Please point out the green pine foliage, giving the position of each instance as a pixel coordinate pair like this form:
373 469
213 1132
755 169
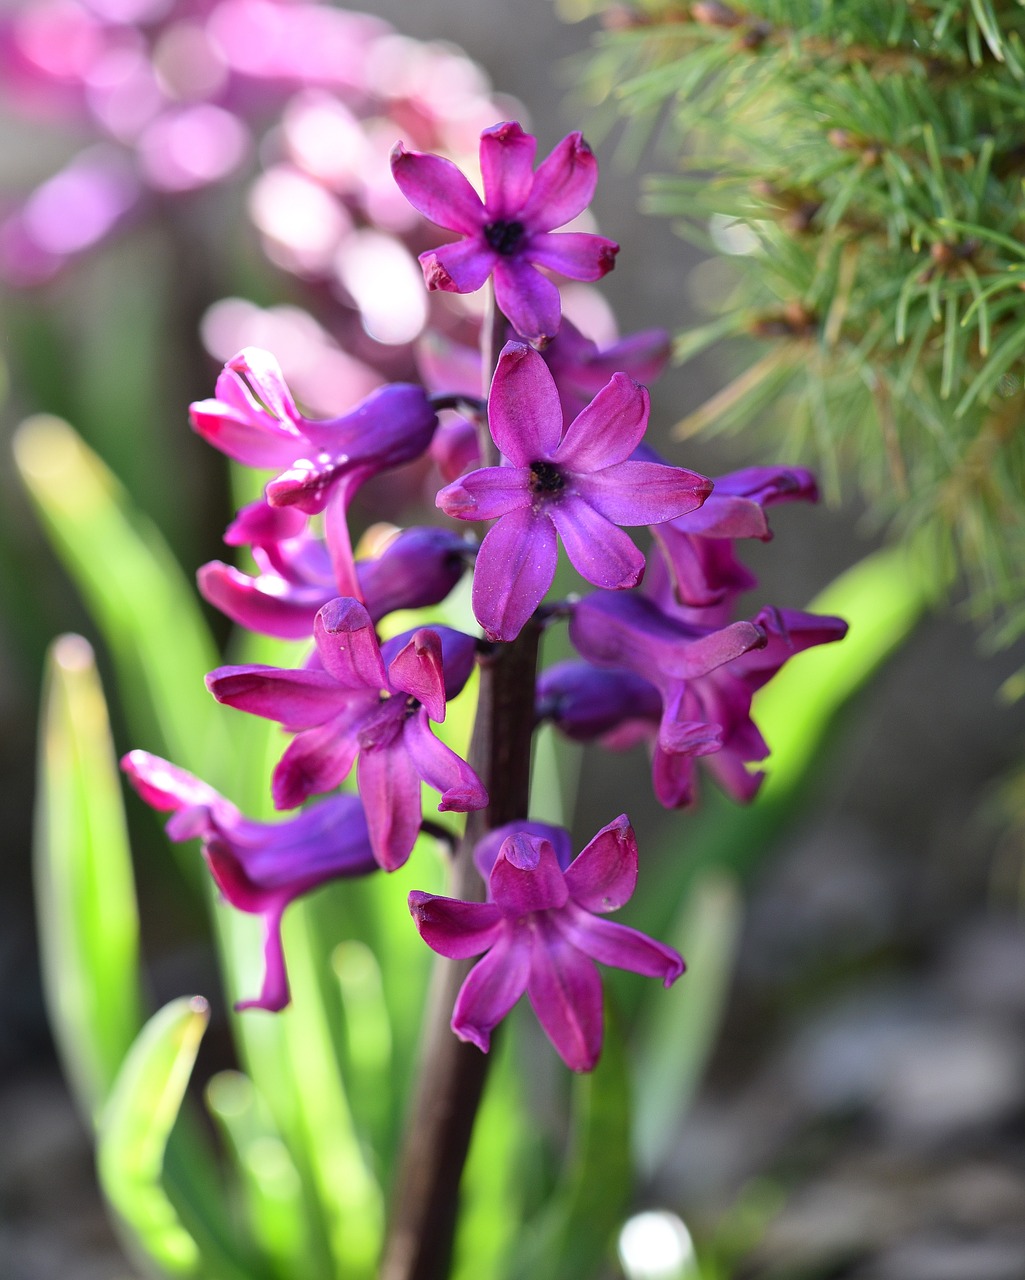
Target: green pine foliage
867 159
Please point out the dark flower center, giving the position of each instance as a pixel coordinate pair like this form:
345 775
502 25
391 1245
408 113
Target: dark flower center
503 237
546 478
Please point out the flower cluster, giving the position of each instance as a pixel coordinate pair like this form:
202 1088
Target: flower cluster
662 659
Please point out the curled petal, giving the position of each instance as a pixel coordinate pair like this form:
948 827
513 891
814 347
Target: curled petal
619 946
598 550
528 300
166 787
515 567
274 992
604 874
634 493
263 375
486 494
417 670
440 767
711 651
253 604
524 410
565 993
455 929
268 444
492 987
609 429
488 847
460 267
507 167
347 645
563 185
437 189
295 699
527 877
576 254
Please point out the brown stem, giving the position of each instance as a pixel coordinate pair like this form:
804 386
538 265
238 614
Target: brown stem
450 1081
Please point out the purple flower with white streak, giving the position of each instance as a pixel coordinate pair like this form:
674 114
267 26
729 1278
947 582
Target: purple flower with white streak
254 420
542 930
508 235
418 567
575 481
259 867
374 702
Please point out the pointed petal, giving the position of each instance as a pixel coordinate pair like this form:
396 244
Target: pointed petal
486 494
565 992
287 614
166 787
315 761
437 189
598 550
489 846
515 567
634 493
507 167
524 411
619 946
711 651
440 767
563 185
417 670
262 373
296 699
389 786
460 267
527 877
527 299
576 254
274 993
492 987
609 429
604 874
267 445
455 929
347 645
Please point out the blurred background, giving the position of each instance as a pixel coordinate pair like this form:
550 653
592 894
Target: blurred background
863 1110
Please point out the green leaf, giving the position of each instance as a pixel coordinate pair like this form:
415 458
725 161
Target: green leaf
85 891
134 588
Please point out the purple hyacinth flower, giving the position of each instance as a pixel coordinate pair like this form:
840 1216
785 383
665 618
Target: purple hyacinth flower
575 481
320 464
417 568
698 546
614 707
374 702
508 235
541 931
259 867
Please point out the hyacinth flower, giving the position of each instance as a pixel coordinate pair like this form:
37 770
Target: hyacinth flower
371 701
573 481
541 931
698 547
416 568
259 867
509 234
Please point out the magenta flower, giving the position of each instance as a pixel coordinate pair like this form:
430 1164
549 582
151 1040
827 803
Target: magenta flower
575 481
259 867
509 234
541 931
374 702
417 568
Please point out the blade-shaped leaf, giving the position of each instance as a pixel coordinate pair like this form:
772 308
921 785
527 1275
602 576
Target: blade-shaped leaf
85 892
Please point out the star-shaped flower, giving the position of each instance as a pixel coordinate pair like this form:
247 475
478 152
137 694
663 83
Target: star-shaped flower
509 234
575 481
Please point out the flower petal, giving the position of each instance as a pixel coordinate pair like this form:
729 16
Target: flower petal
296 699
598 550
262 373
417 670
527 299
437 189
576 254
488 846
486 494
617 945
524 410
460 267
455 929
527 877
248 601
634 493
507 167
268 445
440 767
609 429
347 645
274 993
563 185
315 761
515 567
604 874
492 987
565 992
389 786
